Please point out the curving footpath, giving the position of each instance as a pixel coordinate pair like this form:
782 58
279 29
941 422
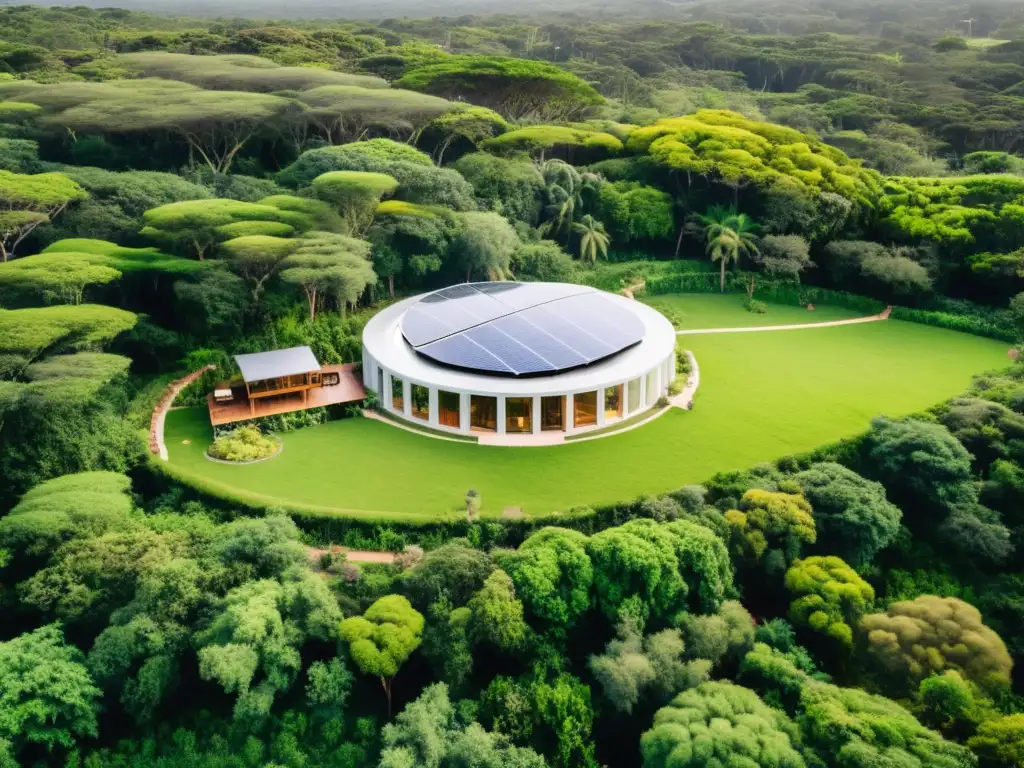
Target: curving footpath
883 315
156 424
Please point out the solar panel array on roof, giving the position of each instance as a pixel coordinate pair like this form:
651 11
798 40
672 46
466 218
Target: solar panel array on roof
519 329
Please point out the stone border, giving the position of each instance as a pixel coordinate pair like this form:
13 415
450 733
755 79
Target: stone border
274 455
157 447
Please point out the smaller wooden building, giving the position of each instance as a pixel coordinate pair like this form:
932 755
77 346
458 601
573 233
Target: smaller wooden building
282 381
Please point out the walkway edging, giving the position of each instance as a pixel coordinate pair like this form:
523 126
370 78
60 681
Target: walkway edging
883 315
157 447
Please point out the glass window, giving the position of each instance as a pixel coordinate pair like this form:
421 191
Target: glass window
518 414
633 395
613 402
552 413
397 394
448 408
584 409
483 413
420 397
652 387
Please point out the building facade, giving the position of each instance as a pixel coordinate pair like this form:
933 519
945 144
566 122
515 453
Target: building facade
518 358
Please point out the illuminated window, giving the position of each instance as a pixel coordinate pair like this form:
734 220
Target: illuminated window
613 402
552 413
420 397
518 414
483 413
448 408
397 394
584 409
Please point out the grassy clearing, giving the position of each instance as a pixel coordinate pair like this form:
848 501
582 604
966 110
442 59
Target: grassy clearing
762 396
703 310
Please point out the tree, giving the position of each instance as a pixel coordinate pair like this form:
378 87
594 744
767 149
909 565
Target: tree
383 638
513 187
543 260
257 664
828 596
328 687
355 194
256 258
636 572
485 245
195 225
47 695
453 570
852 515
771 528
782 256
516 88
722 720
324 264
999 743
728 235
54 278
915 638
538 140
553 577
594 239
725 635
26 201
429 733
497 614
468 124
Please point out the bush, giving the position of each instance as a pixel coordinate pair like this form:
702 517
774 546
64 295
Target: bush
755 306
243 444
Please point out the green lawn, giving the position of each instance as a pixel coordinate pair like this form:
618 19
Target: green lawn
762 396
715 310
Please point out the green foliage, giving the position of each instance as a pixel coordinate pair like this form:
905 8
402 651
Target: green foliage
53 278
383 638
325 265
916 638
829 597
851 514
28 201
48 697
771 528
509 186
722 721
497 614
515 88
541 139
544 261
552 574
355 193
485 246
454 571
243 444
999 743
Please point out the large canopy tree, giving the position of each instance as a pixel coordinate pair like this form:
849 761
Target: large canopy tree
26 201
516 88
325 265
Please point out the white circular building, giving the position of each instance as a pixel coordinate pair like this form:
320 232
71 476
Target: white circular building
504 359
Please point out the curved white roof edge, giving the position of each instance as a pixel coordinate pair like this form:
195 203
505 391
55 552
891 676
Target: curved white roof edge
383 341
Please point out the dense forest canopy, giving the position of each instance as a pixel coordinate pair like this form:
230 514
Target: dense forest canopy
175 190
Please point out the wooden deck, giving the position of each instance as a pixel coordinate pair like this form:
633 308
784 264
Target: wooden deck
348 390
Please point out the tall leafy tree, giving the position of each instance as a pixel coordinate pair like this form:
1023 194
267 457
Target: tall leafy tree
485 246
383 638
327 265
728 235
27 201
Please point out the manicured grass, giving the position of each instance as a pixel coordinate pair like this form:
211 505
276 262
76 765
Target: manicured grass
725 310
762 396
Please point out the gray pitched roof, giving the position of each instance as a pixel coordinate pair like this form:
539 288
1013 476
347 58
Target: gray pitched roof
280 362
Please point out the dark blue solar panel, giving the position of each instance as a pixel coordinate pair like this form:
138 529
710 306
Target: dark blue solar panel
464 353
578 339
516 356
541 342
519 328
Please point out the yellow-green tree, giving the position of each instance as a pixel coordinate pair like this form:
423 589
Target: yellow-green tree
828 596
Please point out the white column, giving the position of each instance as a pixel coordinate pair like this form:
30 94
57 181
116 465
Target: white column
643 391
464 412
433 415
535 415
407 398
570 417
600 407
501 415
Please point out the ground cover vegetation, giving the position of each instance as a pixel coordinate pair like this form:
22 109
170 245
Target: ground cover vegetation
801 582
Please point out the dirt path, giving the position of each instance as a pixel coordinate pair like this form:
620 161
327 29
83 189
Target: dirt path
352 555
884 315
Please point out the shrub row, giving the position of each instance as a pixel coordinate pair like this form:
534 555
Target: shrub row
993 324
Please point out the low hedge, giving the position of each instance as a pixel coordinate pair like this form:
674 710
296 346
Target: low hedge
988 324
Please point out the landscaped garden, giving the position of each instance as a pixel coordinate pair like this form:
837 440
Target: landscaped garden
715 310
762 396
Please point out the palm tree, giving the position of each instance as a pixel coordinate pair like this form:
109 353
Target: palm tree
728 234
594 239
